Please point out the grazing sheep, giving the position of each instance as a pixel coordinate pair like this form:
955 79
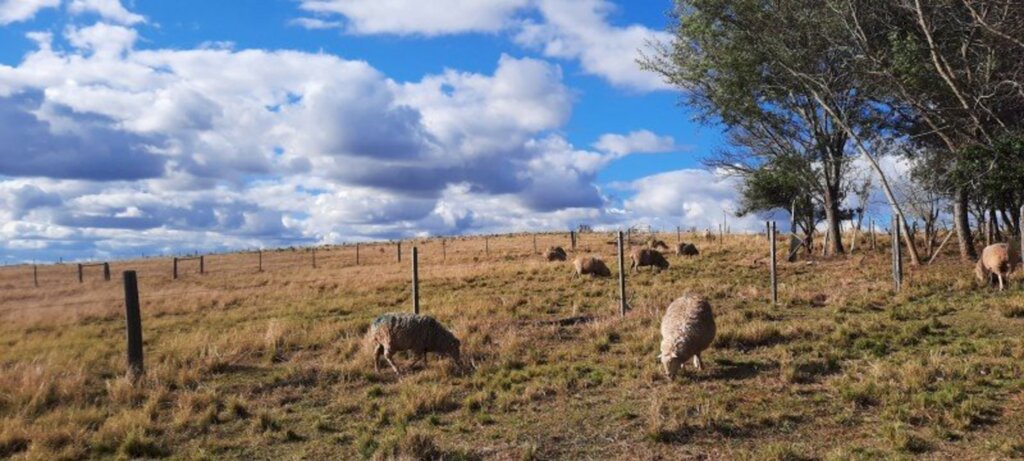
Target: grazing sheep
590 265
999 260
395 332
641 257
687 249
687 329
555 254
656 244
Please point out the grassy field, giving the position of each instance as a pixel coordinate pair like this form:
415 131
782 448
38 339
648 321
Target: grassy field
272 365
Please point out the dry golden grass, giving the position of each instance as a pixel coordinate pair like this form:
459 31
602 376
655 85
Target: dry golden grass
243 364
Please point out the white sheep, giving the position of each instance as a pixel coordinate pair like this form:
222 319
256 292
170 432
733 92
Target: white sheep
999 260
395 332
687 329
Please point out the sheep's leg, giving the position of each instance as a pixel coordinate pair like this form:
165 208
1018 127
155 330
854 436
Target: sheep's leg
388 353
697 363
377 352
1000 275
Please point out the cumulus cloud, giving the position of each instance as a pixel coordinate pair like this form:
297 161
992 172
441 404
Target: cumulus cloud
688 198
111 10
635 142
45 139
412 17
580 30
576 30
22 10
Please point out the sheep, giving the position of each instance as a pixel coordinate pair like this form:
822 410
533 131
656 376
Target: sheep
687 329
555 254
641 257
590 265
657 244
395 332
999 260
687 249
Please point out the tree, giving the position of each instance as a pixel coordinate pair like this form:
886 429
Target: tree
953 66
770 70
781 184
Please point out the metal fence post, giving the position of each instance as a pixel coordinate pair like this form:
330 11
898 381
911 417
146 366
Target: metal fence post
133 320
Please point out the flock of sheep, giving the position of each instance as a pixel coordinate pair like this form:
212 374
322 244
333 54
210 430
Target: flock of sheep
687 328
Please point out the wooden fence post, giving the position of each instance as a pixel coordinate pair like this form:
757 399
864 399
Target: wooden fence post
133 320
415 281
897 255
775 281
572 239
314 258
399 251
261 260
487 246
444 250
1020 227
679 235
80 279
873 240
202 264
622 278
534 243
106 271
35 275
175 271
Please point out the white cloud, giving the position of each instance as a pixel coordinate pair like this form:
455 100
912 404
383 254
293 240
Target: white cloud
414 17
22 10
315 24
111 10
635 142
579 29
687 198
565 29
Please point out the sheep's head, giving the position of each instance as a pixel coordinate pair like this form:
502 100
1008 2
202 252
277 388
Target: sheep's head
672 365
980 272
660 261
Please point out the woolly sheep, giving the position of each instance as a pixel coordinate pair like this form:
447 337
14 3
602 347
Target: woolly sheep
999 260
641 257
657 244
687 329
555 254
590 265
686 249
395 332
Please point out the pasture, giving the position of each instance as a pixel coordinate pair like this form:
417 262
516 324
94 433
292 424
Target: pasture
242 364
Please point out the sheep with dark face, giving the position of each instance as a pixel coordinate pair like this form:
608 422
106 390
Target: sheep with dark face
657 244
395 332
555 254
590 265
687 329
998 259
641 257
686 249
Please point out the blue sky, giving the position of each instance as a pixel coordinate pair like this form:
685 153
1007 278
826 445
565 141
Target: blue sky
153 127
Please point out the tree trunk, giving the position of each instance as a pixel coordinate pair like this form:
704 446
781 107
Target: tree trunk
835 240
963 227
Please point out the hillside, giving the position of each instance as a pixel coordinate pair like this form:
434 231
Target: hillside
243 364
